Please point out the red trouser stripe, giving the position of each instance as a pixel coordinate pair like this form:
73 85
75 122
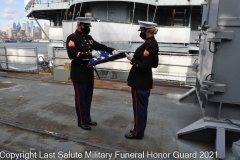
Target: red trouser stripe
79 104
136 111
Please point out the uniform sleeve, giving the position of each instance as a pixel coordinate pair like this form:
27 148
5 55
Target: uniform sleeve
146 60
99 46
73 52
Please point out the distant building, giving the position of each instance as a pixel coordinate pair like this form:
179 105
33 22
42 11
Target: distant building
37 34
23 26
45 27
12 33
14 26
18 27
22 34
28 29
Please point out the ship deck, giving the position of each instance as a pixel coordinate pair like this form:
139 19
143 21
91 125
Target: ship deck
35 110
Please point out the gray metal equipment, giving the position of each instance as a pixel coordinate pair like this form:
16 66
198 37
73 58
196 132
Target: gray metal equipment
236 149
218 79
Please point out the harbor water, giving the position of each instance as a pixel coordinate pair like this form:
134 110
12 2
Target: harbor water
42 47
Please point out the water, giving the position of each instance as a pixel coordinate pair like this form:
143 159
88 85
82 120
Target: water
42 47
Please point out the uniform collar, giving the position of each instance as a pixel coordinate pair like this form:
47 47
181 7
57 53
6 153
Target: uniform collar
150 38
78 32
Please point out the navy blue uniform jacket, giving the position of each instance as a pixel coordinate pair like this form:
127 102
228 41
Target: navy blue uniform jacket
78 42
144 59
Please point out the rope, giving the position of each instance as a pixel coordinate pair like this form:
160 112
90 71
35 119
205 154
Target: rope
147 10
154 12
73 15
133 11
44 65
132 24
65 14
80 11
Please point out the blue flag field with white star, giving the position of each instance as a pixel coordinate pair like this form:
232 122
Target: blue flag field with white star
106 57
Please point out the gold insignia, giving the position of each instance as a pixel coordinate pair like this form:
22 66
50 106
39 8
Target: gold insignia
71 44
146 53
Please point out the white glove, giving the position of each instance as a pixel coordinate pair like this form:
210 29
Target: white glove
129 56
96 54
115 52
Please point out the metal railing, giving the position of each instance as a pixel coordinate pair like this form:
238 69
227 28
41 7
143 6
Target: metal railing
19 59
32 2
168 72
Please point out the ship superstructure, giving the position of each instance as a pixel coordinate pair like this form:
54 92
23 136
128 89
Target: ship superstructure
115 24
214 66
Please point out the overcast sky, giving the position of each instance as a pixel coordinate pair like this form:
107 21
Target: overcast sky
13 11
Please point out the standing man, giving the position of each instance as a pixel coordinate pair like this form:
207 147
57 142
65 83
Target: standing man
140 77
80 47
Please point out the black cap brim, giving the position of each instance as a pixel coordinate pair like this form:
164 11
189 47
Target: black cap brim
141 29
87 24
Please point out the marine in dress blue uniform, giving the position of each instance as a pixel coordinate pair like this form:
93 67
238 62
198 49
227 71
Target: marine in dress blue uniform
81 47
140 77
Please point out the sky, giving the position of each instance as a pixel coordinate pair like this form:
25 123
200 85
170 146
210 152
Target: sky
13 11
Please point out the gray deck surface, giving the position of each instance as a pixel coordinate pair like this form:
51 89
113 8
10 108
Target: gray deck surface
50 106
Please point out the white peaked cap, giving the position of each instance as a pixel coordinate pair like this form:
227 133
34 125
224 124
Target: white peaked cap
84 20
146 25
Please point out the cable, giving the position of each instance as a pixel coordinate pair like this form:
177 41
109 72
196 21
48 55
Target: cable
212 74
66 12
73 15
197 44
132 24
204 23
133 11
232 122
80 10
147 10
195 60
44 65
61 15
215 48
155 12
204 33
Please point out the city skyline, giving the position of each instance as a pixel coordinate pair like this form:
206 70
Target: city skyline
13 11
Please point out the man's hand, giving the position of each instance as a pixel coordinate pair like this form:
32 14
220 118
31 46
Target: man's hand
96 54
129 56
115 52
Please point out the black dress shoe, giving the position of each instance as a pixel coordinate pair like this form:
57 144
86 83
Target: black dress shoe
131 136
92 123
86 127
131 130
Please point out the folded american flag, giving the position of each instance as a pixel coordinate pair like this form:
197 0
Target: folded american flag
105 57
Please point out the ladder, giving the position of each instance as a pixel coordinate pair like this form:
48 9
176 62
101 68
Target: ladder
179 18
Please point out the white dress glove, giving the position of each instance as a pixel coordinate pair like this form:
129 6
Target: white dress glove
115 52
96 54
129 56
